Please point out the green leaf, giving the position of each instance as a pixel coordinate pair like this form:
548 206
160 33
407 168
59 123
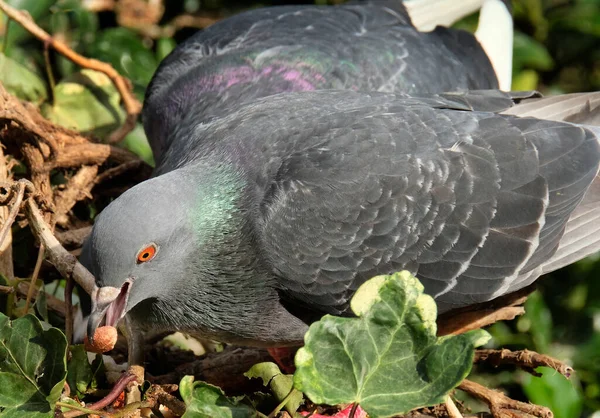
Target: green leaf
554 391
32 367
164 46
582 17
86 101
537 321
20 81
208 401
530 53
41 305
280 384
4 298
525 80
69 401
136 142
81 375
125 51
389 359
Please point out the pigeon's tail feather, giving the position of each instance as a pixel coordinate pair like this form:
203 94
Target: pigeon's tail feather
582 232
581 108
494 30
427 14
495 34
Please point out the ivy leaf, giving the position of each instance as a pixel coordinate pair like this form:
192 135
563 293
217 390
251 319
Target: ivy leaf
41 304
21 81
81 375
33 367
87 102
280 384
388 360
208 401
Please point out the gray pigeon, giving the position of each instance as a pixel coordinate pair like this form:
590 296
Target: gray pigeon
366 45
260 221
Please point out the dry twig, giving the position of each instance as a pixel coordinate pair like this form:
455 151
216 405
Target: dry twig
132 106
77 188
53 303
47 146
472 317
15 193
6 289
451 408
501 405
99 5
65 263
6 262
161 395
527 360
34 276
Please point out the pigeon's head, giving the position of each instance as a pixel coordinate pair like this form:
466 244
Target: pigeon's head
153 243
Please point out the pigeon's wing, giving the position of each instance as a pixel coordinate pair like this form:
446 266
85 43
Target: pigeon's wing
470 202
368 47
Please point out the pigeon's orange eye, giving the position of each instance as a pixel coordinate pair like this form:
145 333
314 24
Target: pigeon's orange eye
147 253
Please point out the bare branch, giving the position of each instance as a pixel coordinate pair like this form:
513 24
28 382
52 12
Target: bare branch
6 261
18 189
525 359
65 263
459 321
53 303
501 405
78 188
451 408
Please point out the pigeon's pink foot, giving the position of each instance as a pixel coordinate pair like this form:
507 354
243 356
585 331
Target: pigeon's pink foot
284 357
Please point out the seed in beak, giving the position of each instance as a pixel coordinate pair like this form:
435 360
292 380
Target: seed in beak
104 340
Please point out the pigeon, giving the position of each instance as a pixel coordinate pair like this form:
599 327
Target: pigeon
260 221
369 46
372 45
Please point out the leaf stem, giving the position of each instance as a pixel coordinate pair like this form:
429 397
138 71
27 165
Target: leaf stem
353 410
34 276
69 309
49 71
80 408
281 404
5 40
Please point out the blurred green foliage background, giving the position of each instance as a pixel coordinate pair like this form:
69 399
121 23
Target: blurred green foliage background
556 50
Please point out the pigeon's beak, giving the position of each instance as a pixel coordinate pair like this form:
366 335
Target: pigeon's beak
109 302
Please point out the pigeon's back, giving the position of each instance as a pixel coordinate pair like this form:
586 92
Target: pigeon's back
367 47
353 185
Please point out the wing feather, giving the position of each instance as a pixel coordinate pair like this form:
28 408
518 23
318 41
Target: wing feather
472 202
